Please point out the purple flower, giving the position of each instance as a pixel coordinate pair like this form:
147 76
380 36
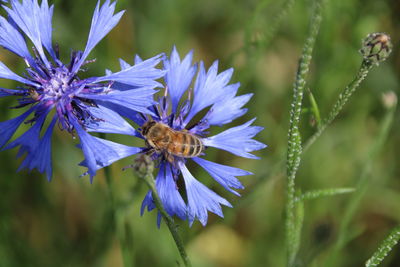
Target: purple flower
52 90
211 91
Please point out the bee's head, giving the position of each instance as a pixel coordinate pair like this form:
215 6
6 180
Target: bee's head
146 127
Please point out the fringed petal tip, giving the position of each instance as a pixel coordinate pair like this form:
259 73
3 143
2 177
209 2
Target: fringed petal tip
224 175
35 22
237 140
142 74
179 75
103 21
201 199
37 149
227 110
100 153
210 88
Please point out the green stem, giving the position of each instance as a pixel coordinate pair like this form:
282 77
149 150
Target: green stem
149 179
341 101
294 140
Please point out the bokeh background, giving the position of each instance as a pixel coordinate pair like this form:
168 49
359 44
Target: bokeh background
68 222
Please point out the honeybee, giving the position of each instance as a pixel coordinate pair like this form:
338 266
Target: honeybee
162 139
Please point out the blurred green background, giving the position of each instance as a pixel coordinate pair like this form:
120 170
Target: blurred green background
68 221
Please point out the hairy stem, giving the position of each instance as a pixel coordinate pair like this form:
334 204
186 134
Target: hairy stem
149 179
294 140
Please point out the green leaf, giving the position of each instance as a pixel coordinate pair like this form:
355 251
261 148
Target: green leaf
314 108
314 194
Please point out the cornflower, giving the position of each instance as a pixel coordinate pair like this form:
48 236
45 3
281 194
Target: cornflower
53 91
174 136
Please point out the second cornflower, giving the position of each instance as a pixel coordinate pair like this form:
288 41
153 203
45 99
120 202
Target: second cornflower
53 89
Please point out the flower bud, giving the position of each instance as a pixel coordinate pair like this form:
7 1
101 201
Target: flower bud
376 47
143 165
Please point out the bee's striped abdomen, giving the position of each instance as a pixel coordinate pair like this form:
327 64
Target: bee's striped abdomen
187 145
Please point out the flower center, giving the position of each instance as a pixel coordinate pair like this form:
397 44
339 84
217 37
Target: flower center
56 87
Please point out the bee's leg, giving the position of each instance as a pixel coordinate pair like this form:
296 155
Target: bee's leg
149 152
130 166
170 158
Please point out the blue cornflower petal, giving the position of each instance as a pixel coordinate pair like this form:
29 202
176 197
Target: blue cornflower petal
111 122
237 140
30 139
46 27
147 202
8 92
3 94
225 111
12 40
123 111
100 153
210 88
103 22
35 22
8 128
135 99
42 159
141 74
40 156
224 175
179 76
123 64
201 199
168 192
159 217
138 59
6 73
